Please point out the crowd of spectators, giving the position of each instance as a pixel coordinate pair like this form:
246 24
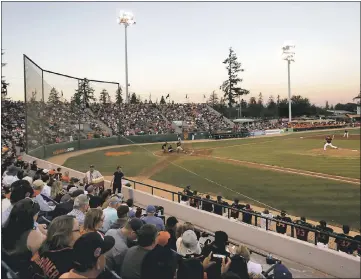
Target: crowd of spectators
196 117
56 227
135 119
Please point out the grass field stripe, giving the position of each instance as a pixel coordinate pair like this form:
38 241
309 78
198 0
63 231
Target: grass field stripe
288 170
209 180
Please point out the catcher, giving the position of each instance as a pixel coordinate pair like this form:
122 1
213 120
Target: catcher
329 142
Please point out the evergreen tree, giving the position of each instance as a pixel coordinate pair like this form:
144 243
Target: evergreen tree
260 99
327 106
54 97
213 99
104 96
118 96
84 94
133 99
162 100
229 87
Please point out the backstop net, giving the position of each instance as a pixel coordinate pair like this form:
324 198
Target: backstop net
62 109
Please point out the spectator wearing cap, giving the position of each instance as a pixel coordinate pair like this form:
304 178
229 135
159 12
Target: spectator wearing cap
55 256
10 176
89 256
324 235
122 236
20 190
345 245
281 272
38 186
245 254
189 244
171 227
152 219
122 213
94 200
81 205
110 213
131 268
47 189
161 262
93 221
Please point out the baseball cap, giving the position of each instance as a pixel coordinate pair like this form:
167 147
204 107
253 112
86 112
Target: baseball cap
150 209
91 166
89 247
189 244
163 238
282 272
114 200
45 170
76 193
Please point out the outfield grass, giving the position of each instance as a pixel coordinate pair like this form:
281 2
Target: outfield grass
315 198
132 164
312 197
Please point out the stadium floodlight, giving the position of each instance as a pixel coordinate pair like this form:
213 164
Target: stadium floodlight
289 55
127 19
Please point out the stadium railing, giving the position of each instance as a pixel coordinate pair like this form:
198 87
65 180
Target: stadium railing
176 196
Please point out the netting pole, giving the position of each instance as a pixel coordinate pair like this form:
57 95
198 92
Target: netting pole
26 110
118 92
43 113
79 113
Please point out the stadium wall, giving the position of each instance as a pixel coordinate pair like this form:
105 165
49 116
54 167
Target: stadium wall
51 150
326 260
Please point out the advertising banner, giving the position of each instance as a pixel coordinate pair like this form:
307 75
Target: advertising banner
273 131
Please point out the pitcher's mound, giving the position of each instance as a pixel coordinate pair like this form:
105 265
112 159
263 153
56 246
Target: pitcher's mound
120 153
340 152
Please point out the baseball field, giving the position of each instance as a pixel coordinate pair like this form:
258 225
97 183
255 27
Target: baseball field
290 172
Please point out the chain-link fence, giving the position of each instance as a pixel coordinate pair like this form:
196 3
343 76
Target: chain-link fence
61 109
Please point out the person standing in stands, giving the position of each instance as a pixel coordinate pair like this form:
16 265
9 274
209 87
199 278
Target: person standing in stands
94 200
247 216
236 206
324 235
219 206
171 228
343 245
206 205
302 233
117 180
281 227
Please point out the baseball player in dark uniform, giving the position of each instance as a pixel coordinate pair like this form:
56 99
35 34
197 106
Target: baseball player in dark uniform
329 143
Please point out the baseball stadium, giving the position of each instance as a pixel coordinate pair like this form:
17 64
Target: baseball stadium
277 184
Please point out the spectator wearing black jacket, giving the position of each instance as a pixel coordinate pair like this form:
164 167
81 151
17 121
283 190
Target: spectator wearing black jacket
247 216
237 207
171 227
206 205
219 206
344 245
281 227
324 235
94 200
302 233
218 246
358 246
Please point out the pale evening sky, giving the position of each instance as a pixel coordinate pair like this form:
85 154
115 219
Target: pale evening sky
178 47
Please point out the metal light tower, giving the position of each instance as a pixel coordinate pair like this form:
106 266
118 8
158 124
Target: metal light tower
288 55
126 18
